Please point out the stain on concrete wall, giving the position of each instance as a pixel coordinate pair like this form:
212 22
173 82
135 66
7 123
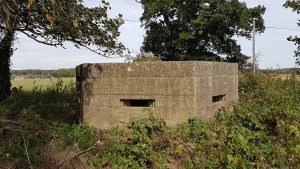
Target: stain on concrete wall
109 94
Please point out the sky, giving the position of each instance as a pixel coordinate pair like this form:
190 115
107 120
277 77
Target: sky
272 45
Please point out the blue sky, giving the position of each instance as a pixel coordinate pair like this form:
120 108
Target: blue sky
275 51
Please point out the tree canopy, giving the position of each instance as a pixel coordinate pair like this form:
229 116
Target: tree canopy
54 22
198 29
295 6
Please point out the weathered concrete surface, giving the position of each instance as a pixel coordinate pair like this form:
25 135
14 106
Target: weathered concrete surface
180 90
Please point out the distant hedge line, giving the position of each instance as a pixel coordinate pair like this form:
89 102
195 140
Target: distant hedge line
33 73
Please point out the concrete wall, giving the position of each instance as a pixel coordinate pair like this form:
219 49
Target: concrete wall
180 90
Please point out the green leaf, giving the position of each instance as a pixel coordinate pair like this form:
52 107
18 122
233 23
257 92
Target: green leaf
243 140
185 35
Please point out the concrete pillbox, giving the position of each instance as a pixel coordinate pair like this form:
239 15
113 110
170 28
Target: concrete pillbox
109 94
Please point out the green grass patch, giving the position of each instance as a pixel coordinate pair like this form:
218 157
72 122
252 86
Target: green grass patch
29 84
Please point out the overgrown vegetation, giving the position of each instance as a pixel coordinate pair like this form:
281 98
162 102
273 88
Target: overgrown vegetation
35 118
262 131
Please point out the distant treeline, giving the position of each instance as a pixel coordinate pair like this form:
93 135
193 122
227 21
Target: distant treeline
282 71
36 73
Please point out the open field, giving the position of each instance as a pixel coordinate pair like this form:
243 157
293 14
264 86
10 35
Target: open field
28 84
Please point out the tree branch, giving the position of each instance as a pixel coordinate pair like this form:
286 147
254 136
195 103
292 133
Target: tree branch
98 52
43 42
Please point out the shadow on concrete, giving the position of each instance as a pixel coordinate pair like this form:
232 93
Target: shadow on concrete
85 80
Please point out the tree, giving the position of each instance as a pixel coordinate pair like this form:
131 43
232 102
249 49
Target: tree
198 29
295 6
53 22
145 57
5 54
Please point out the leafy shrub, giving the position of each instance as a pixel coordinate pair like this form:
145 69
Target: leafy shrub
134 150
248 83
80 134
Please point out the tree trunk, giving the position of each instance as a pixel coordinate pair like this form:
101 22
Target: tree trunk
5 54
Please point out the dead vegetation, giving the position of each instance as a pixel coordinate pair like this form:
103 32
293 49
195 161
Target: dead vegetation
55 157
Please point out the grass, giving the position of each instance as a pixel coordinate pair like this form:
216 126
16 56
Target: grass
29 84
